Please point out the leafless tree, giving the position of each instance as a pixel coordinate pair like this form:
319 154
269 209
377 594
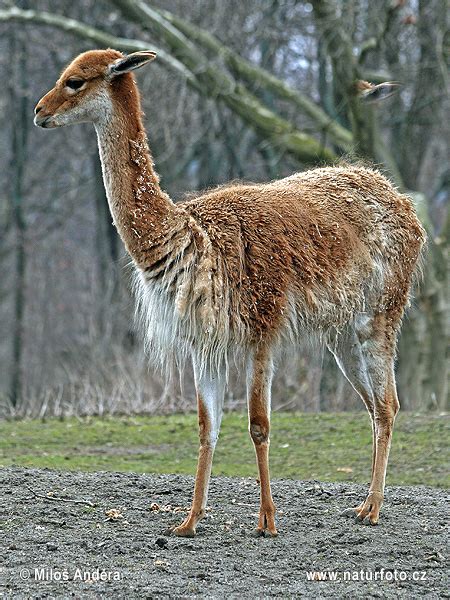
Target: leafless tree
274 91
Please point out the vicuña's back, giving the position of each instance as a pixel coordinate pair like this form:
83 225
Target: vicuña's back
249 268
306 253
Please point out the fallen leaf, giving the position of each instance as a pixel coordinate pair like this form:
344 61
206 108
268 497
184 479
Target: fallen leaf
168 508
113 514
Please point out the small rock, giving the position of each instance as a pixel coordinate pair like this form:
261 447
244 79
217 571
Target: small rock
162 542
52 547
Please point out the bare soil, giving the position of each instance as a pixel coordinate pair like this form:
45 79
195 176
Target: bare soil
55 549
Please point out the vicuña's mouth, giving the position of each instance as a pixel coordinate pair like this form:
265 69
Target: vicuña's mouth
42 122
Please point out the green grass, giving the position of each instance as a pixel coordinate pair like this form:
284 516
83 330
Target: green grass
303 446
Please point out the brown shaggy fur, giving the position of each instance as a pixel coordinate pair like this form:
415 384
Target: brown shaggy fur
314 234
249 268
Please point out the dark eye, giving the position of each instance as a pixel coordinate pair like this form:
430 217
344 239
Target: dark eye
74 84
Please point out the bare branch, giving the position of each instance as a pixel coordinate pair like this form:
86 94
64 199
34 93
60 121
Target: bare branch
218 84
189 62
375 42
253 74
97 36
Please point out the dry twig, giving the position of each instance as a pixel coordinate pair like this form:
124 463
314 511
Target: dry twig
59 499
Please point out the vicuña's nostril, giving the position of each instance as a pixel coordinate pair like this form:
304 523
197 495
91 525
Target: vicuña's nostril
37 109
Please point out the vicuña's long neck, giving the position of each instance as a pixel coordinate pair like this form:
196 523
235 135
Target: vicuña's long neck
143 214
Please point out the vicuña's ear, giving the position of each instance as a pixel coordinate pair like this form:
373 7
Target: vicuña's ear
131 62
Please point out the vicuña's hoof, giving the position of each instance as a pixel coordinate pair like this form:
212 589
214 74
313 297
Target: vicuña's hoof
266 525
368 511
183 531
265 533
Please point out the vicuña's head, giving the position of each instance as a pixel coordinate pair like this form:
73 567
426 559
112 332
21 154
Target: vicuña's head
88 87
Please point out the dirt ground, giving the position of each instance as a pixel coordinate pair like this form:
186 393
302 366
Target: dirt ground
56 549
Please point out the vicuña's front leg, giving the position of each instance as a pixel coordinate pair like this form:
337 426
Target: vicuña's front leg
210 394
259 381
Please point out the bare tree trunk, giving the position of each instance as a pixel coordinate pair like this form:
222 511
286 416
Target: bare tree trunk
345 74
424 116
19 136
423 364
438 326
106 240
412 357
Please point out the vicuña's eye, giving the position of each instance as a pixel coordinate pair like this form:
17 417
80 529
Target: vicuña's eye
74 84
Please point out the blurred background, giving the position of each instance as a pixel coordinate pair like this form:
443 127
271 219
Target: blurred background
250 90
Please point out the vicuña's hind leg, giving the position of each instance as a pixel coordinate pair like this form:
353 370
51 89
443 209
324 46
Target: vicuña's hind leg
347 350
259 382
210 394
380 362
365 356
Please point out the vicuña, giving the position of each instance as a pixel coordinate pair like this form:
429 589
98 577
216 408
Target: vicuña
248 269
